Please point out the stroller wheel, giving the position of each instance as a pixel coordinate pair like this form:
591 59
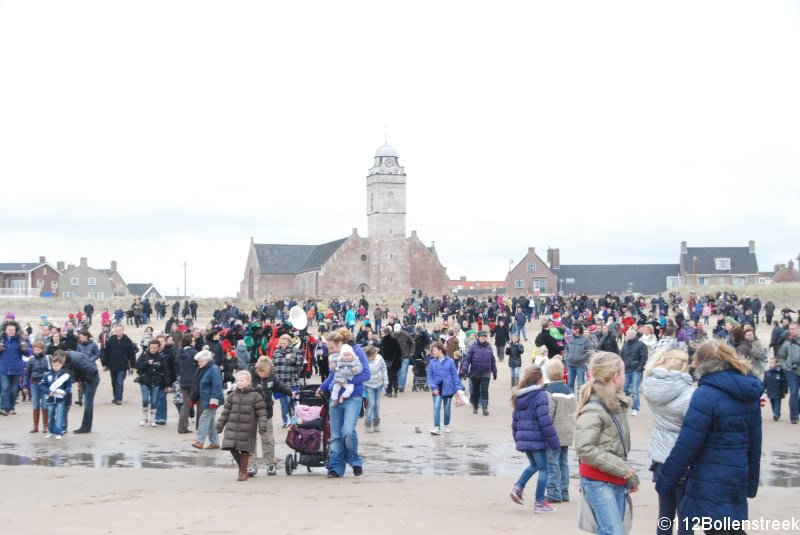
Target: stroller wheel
289 465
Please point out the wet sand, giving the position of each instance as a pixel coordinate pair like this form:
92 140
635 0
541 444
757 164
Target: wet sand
125 479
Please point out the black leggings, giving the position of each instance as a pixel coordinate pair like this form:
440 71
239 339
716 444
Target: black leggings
479 391
393 380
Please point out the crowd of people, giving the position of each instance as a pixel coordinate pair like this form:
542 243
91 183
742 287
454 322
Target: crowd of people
696 360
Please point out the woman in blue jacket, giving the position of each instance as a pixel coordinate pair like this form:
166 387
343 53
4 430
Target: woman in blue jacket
720 441
444 384
344 416
12 367
208 396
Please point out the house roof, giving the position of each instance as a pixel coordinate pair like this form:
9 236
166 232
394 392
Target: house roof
290 258
139 289
597 279
19 266
742 260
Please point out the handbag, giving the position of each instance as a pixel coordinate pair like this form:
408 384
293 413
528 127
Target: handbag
587 521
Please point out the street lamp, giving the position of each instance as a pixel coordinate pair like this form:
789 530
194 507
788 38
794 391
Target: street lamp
561 286
630 287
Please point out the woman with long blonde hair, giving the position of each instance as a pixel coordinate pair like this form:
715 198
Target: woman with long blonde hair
720 440
602 442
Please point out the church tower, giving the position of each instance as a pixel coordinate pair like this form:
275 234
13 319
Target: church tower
386 196
386 225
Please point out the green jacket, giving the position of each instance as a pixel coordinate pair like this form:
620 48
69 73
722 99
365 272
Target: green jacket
597 441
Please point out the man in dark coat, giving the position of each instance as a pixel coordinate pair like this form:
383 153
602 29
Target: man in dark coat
544 338
501 337
119 358
393 356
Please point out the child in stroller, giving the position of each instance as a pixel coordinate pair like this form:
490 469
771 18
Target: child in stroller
419 366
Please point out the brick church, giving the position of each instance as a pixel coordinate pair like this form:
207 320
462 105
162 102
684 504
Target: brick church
385 263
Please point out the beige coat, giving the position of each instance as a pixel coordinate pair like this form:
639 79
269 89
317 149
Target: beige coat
244 412
597 441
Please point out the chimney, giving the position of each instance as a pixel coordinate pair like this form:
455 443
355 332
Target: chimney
556 261
550 256
84 262
791 265
113 265
531 251
60 266
777 267
413 233
252 241
42 260
463 278
751 245
70 266
684 249
355 231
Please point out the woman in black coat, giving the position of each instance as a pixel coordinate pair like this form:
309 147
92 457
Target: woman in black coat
393 356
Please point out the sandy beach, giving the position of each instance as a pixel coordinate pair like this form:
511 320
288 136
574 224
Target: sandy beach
125 479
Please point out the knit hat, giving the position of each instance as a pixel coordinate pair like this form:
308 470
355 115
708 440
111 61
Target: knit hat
469 332
204 355
397 327
346 348
732 321
592 328
557 323
10 316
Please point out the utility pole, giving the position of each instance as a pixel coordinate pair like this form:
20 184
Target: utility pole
184 279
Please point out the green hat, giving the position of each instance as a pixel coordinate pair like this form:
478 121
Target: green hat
469 332
732 321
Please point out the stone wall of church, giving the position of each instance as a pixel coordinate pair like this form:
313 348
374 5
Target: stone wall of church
389 267
305 284
427 273
347 270
276 286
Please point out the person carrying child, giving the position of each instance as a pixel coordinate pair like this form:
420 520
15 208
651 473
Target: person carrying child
775 385
345 366
57 383
244 412
534 434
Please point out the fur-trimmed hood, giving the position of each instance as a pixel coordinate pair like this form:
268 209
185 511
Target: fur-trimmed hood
719 374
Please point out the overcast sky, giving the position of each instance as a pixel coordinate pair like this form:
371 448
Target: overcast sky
153 132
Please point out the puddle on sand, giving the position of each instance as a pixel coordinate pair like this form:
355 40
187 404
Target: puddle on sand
441 457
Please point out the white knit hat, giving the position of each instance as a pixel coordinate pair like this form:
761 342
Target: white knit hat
346 348
204 355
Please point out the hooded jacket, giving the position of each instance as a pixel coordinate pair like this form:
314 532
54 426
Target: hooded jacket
185 366
391 352
244 412
720 444
531 424
443 376
579 349
479 360
561 408
11 362
90 349
668 393
515 352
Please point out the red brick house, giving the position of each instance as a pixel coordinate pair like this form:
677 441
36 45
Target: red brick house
28 279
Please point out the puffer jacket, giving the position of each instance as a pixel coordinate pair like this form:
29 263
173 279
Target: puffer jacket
11 362
720 444
208 386
515 352
37 367
155 373
479 361
634 355
597 441
89 349
267 386
579 349
442 375
668 393
244 413
185 366
531 424
562 405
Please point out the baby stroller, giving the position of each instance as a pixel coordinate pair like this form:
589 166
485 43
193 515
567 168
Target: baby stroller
309 440
419 366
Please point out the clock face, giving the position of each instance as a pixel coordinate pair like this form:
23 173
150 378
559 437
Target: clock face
389 162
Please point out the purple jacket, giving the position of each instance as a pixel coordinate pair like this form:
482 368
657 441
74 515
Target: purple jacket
531 424
479 360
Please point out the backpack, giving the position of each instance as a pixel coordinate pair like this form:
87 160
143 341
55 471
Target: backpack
307 441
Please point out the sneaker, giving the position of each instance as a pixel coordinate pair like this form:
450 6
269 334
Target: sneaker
271 470
252 472
142 422
284 426
634 412
59 437
543 507
358 471
516 494
12 412
81 431
435 431
775 418
474 410
485 411
447 429
48 435
153 424
3 413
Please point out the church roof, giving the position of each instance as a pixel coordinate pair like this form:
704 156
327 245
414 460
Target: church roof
276 258
386 150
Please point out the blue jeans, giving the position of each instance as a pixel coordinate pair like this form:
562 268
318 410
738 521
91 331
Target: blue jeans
576 376
775 403
608 504
403 374
794 385
631 388
344 439
538 463
161 406
515 373
118 383
56 414
373 404
89 390
558 474
522 333
438 402
9 389
149 396
39 397
286 408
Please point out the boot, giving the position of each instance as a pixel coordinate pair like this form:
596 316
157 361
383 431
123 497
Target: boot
36 413
245 459
368 426
485 406
237 456
376 426
45 416
152 418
